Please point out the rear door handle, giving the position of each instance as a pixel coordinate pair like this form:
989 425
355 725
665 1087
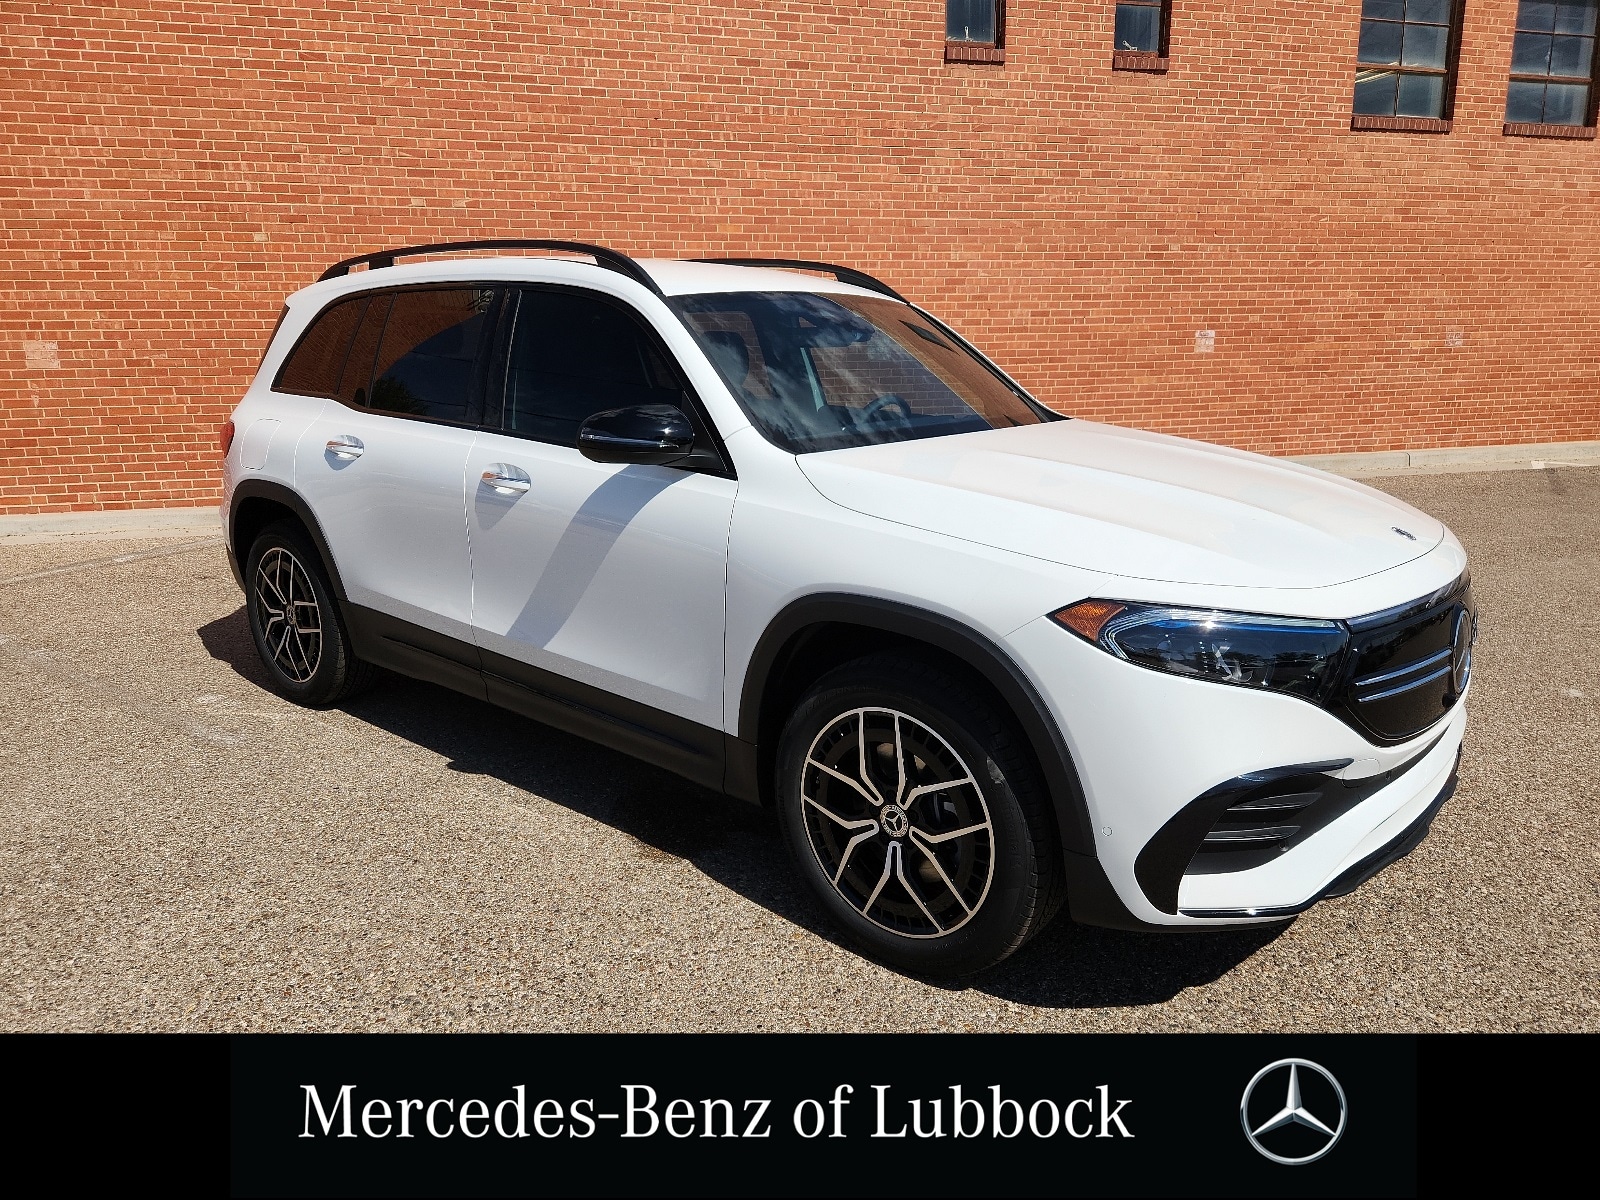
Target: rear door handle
346 446
507 479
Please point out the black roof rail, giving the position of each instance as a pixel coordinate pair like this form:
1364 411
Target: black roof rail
612 260
848 275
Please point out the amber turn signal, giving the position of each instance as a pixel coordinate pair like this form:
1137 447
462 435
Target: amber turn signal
1087 618
225 437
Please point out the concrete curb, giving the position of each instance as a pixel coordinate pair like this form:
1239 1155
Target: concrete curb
1533 456
132 522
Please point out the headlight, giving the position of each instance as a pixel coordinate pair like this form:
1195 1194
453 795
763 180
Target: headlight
1281 654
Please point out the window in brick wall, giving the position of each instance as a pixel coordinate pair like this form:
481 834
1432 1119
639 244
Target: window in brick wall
1552 69
1405 65
975 31
1139 42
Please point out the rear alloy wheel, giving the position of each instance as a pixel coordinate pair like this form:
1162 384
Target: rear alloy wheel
921 831
295 621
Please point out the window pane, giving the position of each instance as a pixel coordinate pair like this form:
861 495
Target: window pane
1435 12
1389 10
1380 42
1530 54
314 365
1536 15
430 347
1420 96
970 20
1139 28
357 379
1576 17
1566 104
573 356
1425 46
1375 92
1525 103
1571 56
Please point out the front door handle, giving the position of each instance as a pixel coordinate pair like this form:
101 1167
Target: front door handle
346 446
506 479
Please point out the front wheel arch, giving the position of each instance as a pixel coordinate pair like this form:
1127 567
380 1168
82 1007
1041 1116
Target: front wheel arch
850 625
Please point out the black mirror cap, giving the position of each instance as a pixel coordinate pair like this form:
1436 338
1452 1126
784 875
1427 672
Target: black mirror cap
648 434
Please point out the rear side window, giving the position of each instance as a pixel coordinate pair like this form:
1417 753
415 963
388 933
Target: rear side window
429 351
314 365
573 356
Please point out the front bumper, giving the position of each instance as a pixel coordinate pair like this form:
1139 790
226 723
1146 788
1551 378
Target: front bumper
1147 745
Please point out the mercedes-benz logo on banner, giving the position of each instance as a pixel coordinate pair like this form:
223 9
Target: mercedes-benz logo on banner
1293 1111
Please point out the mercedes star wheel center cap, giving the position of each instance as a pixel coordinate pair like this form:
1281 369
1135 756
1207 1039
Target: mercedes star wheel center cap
1299 1128
894 821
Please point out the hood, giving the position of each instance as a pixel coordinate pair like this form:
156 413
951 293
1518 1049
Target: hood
1126 502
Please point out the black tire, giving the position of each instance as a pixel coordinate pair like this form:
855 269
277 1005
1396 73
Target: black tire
953 898
308 659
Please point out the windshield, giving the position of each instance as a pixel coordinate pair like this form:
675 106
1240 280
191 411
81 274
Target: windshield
817 372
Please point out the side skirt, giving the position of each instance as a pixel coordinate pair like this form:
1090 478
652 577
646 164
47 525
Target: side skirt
696 752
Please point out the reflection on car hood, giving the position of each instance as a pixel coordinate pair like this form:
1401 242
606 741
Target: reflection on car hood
1131 503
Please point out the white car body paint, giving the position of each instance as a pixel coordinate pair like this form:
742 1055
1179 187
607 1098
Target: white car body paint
994 530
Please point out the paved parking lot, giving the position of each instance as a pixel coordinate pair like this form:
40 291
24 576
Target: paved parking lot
183 850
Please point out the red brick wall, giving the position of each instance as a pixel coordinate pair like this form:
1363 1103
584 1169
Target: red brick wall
171 170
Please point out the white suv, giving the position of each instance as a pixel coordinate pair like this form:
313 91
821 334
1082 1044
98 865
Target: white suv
794 538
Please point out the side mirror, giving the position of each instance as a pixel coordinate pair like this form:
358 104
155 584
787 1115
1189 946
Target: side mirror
649 434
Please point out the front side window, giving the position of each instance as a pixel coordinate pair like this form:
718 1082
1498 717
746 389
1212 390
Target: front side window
573 356
816 372
1404 59
428 353
1552 63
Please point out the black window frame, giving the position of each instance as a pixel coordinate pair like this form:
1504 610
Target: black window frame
1450 73
969 50
709 456
1541 128
1156 60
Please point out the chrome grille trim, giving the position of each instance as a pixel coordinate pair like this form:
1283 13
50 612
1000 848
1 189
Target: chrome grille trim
1369 680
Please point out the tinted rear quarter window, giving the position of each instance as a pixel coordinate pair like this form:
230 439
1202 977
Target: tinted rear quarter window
314 365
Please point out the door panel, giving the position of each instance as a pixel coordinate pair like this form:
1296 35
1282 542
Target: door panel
392 515
610 575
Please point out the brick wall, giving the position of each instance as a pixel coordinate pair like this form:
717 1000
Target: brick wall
171 170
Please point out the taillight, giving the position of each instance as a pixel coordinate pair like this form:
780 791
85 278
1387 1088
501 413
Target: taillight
225 436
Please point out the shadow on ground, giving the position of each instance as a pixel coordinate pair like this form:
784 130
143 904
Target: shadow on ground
738 846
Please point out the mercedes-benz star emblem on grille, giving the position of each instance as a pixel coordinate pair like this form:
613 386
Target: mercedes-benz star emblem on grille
1293 1134
1405 533
1461 639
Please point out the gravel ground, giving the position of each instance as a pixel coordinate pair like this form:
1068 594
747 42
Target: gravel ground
183 850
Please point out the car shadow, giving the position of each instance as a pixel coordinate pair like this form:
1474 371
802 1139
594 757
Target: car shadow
739 846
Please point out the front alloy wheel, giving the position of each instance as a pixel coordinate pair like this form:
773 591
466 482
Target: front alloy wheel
914 811
898 823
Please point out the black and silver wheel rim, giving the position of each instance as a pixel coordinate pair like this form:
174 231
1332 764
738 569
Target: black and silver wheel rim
898 823
288 615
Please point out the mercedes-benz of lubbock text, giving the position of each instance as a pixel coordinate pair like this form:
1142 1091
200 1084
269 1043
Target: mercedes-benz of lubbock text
774 528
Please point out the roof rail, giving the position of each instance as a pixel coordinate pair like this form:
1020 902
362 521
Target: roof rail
613 260
848 275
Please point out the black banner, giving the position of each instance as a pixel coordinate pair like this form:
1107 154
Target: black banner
789 1115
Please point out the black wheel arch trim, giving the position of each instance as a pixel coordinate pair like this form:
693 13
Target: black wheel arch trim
278 493
953 637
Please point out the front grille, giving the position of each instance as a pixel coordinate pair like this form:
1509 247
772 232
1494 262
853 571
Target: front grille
1406 667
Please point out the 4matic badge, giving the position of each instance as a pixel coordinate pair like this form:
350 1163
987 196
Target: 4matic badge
1286 1124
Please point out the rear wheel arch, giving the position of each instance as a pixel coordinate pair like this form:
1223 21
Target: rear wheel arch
258 503
813 635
